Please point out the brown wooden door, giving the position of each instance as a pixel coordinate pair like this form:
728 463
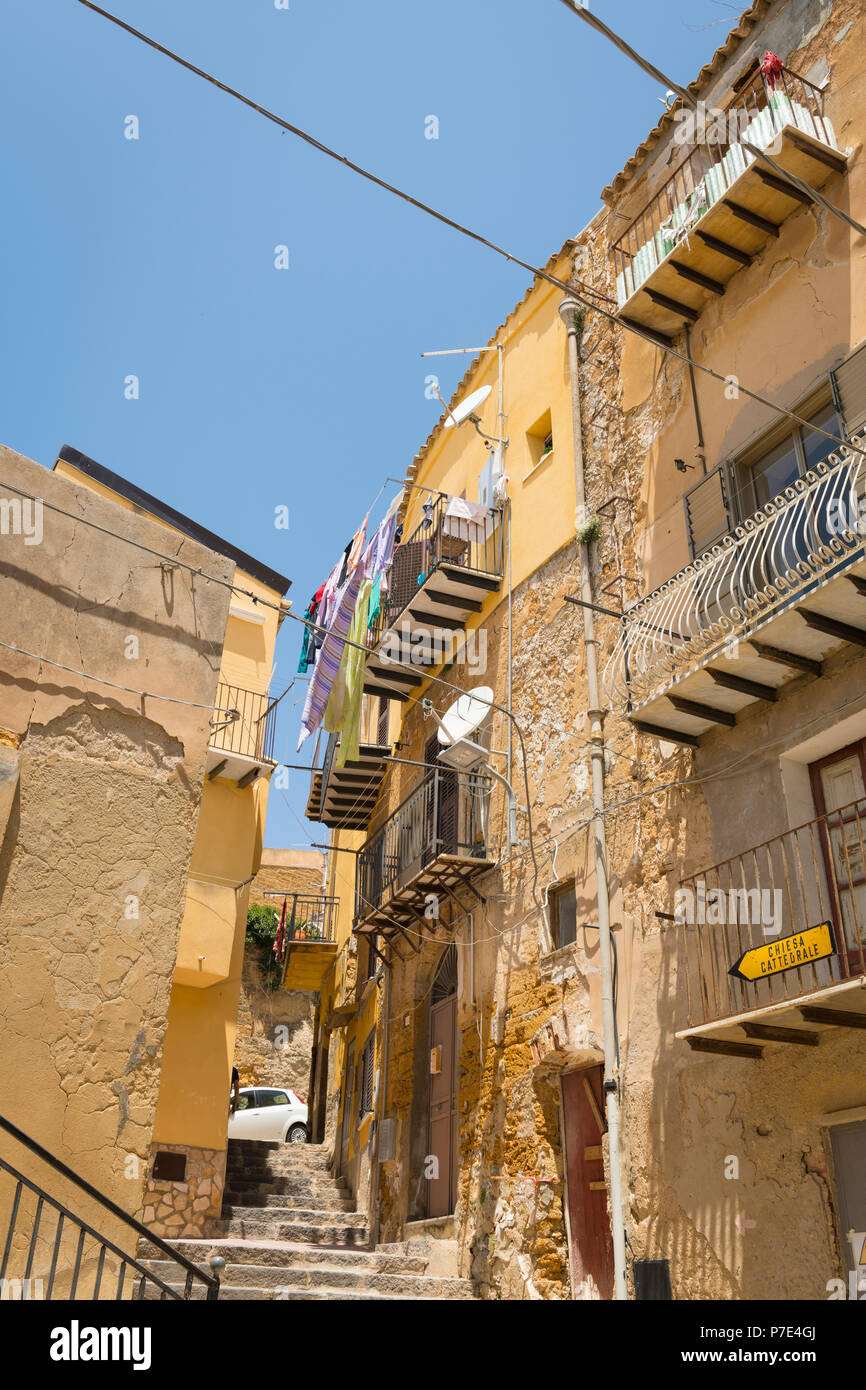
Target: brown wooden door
442 1116
589 1226
442 830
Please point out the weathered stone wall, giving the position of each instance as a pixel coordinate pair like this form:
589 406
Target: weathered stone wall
100 827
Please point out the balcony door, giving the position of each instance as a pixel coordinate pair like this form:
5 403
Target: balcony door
442 810
839 788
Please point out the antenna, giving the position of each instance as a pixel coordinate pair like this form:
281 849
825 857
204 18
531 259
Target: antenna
459 723
466 409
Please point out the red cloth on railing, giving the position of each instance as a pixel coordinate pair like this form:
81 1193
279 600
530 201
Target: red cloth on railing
280 938
771 66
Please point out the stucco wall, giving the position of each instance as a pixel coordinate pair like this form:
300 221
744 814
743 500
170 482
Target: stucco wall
100 832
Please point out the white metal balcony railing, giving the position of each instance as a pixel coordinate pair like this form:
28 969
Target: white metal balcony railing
795 543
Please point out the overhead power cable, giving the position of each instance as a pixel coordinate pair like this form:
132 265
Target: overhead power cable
779 169
326 149
568 288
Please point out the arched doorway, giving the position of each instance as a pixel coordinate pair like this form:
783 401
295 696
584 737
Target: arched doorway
442 1111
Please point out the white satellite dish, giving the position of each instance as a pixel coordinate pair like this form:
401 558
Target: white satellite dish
458 725
466 408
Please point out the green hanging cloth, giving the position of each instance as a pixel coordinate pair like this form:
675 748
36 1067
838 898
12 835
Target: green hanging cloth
344 705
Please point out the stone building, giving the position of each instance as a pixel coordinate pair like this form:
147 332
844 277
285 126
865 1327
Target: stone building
274 1044
671 484
136 752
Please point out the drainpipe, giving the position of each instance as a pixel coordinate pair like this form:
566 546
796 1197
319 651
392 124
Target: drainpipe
380 1108
571 314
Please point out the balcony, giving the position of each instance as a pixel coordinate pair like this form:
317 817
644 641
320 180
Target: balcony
789 917
721 206
769 602
310 938
439 577
241 742
343 797
435 843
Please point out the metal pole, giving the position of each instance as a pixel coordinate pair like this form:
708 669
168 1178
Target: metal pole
568 310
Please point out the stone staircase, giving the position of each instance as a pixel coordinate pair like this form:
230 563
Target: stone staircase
289 1230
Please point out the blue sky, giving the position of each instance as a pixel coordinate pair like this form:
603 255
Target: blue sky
155 257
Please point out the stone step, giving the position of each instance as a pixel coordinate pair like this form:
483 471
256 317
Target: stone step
308 1155
337 1280
323 1199
233 1293
263 1205
275 1227
306 1257
252 1177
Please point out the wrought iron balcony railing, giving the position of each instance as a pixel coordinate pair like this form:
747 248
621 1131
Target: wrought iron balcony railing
309 916
803 537
446 815
243 723
757 114
791 884
439 541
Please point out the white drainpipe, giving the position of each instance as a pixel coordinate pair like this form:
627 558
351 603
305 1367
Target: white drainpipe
567 311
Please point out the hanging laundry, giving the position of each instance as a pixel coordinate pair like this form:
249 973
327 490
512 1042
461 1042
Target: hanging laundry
280 938
312 638
466 520
375 600
344 706
343 606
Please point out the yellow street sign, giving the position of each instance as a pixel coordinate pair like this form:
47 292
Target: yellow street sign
787 953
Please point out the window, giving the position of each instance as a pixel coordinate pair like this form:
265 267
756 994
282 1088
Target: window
365 1084
247 1100
272 1098
382 721
539 440
563 916
793 456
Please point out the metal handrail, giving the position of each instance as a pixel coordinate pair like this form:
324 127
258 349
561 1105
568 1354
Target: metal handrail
193 1271
682 189
784 885
439 540
806 534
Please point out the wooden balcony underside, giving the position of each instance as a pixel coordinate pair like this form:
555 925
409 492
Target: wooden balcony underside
732 231
352 790
787 645
401 915
437 614
799 1022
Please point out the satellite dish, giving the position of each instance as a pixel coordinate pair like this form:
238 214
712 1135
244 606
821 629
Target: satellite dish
466 715
466 408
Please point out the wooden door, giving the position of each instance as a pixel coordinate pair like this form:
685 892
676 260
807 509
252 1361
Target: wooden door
442 1114
589 1226
348 1106
442 836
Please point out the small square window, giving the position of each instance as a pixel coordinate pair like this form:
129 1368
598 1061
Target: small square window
563 915
169 1167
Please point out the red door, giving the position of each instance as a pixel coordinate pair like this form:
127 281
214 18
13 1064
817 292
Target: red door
442 1115
589 1226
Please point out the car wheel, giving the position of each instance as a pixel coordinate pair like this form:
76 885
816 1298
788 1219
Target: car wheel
297 1134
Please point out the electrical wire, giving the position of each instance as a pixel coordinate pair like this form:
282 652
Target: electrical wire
569 288
779 169
325 149
101 680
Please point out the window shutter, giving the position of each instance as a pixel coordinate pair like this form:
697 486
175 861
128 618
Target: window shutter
383 721
849 385
708 511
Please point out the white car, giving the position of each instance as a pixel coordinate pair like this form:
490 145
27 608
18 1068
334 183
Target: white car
266 1112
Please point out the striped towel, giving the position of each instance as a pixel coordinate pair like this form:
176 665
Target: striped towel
331 652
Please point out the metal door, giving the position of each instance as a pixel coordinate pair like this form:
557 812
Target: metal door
442 1115
589 1227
